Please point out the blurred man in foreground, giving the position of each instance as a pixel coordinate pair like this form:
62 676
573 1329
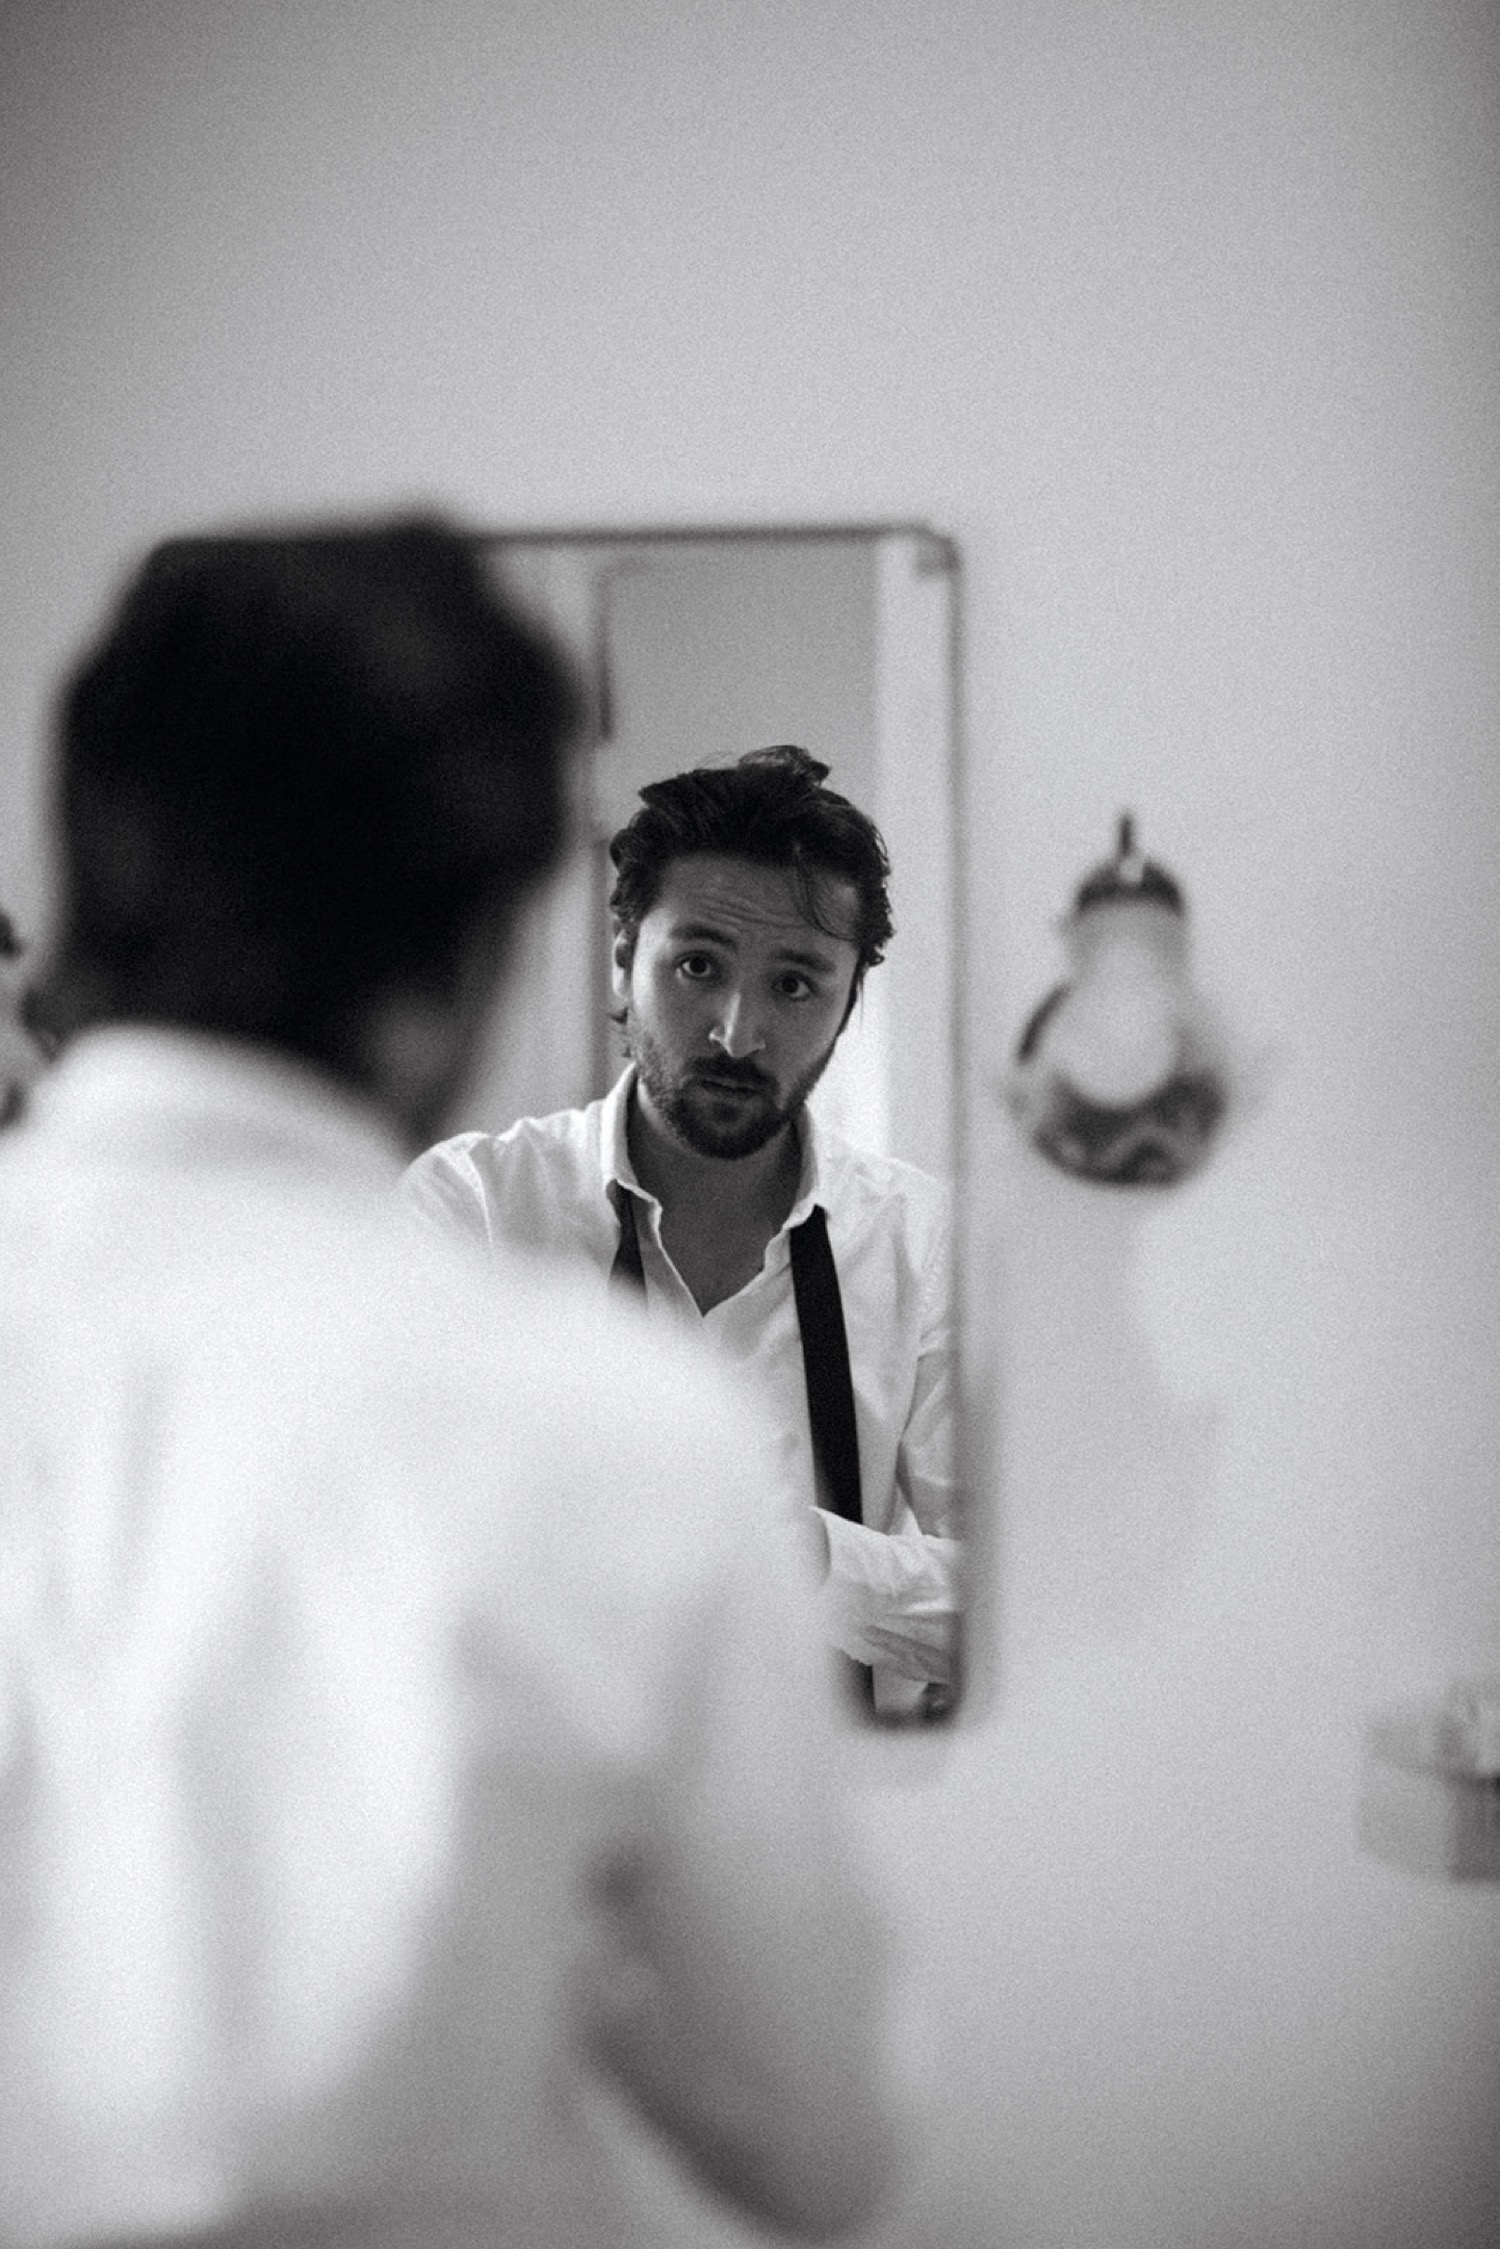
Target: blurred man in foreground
405 1711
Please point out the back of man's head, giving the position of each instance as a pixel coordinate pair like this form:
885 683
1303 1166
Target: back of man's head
772 807
298 773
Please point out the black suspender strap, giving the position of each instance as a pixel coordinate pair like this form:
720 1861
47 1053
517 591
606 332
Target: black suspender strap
830 1390
825 1358
825 1364
627 1271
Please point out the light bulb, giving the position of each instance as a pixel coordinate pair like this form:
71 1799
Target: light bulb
1118 1076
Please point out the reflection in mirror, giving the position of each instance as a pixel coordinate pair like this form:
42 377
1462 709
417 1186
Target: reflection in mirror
644 1104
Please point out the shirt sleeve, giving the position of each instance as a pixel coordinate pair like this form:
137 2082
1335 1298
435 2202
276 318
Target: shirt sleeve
926 1459
753 2009
891 1597
442 1190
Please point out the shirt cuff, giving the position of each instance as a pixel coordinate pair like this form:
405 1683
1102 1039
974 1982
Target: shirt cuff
891 1597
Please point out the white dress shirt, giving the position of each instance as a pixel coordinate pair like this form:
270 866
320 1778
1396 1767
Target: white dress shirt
357 1616
890 1596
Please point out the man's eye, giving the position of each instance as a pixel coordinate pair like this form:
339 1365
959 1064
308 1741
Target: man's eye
794 987
696 967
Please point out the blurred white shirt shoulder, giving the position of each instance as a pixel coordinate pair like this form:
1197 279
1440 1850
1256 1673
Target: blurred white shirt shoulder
405 1710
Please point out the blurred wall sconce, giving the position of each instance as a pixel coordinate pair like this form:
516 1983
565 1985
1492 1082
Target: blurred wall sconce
1119 1075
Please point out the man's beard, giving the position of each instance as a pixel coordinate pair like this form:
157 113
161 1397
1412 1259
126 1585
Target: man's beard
729 1125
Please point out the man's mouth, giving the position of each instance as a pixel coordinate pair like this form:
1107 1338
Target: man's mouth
714 1081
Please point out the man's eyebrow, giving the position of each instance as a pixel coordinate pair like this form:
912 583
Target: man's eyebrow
710 933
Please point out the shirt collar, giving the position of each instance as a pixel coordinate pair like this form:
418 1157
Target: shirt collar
818 1156
614 1148
129 1086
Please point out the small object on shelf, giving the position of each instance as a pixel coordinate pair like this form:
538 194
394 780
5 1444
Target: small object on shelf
1430 1789
1119 1076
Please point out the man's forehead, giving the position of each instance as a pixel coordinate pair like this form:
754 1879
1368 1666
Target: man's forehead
718 888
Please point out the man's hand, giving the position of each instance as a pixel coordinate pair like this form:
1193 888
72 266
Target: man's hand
919 1648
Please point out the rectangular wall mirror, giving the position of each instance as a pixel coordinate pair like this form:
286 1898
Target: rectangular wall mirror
695 647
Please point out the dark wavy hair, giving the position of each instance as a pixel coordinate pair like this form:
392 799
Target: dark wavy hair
771 807
297 770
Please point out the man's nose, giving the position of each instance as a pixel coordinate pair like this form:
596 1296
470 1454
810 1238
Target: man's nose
738 1031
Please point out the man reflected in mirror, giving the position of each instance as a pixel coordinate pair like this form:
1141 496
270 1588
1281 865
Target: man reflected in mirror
749 902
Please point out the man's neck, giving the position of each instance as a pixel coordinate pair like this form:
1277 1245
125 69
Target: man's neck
718 1213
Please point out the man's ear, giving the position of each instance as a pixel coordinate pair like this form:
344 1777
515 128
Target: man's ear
621 954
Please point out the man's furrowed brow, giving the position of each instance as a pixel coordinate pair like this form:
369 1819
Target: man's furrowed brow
700 932
803 956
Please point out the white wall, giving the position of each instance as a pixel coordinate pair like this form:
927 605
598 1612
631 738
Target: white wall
1183 320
